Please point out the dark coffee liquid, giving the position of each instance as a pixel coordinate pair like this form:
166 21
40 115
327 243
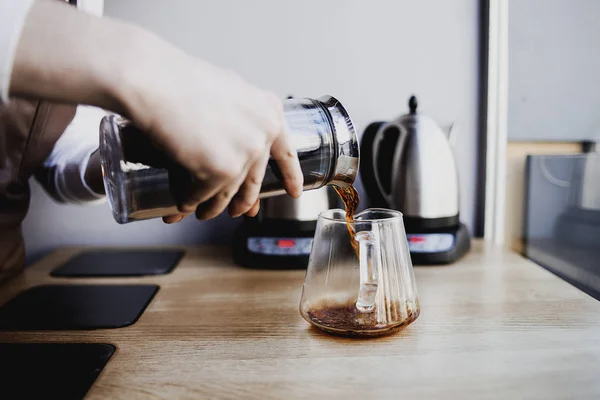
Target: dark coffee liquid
347 320
349 197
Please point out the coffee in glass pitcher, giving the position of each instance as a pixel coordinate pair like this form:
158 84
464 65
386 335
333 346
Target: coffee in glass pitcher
364 293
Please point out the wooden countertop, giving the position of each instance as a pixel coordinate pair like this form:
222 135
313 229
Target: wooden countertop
493 325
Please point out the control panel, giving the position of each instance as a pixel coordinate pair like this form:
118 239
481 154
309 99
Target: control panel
281 246
430 242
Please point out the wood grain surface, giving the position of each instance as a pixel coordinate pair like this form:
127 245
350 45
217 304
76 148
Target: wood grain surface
493 326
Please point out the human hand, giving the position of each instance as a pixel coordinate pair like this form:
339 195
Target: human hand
219 128
212 122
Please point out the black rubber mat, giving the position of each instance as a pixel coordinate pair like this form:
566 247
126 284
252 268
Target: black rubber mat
50 370
100 263
73 307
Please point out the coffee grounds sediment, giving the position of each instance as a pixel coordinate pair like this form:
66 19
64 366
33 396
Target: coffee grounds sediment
347 320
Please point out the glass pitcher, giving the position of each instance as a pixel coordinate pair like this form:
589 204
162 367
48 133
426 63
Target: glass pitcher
369 294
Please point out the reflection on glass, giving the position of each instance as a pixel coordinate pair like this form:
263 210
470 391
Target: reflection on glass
562 226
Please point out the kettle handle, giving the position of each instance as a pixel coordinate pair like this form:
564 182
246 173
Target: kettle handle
379 137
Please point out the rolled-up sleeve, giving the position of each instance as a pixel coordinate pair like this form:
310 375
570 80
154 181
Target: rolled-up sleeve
63 172
12 19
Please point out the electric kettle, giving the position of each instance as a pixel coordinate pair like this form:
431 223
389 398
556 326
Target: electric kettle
407 165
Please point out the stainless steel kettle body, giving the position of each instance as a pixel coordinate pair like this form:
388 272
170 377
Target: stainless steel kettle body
305 208
423 180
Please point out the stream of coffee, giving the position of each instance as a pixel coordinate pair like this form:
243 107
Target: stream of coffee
349 197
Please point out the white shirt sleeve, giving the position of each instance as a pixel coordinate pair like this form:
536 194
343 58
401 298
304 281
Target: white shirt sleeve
63 172
12 19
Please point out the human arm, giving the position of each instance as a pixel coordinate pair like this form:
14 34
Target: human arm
180 101
72 173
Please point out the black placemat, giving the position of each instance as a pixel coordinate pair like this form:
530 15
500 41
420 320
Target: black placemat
50 370
120 263
70 307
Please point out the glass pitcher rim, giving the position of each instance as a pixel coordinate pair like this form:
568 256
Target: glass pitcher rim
395 215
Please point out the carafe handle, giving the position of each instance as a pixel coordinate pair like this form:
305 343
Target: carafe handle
368 253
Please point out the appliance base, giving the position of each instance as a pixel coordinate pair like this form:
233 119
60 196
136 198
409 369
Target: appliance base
273 244
443 246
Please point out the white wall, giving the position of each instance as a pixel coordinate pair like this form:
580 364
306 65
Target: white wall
554 70
372 55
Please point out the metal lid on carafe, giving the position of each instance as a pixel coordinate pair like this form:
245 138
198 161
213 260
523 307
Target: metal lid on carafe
347 160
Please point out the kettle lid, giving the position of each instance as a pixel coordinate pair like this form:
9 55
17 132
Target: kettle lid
415 120
413 104
412 116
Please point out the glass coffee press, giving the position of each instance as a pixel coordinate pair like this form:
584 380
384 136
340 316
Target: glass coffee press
138 176
365 290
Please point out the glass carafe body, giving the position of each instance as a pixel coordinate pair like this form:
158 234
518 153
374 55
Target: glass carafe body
138 175
371 293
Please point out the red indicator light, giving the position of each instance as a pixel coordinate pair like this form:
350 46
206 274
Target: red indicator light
417 239
286 244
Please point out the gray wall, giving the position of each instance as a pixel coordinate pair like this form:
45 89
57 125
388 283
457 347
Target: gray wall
554 77
372 55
